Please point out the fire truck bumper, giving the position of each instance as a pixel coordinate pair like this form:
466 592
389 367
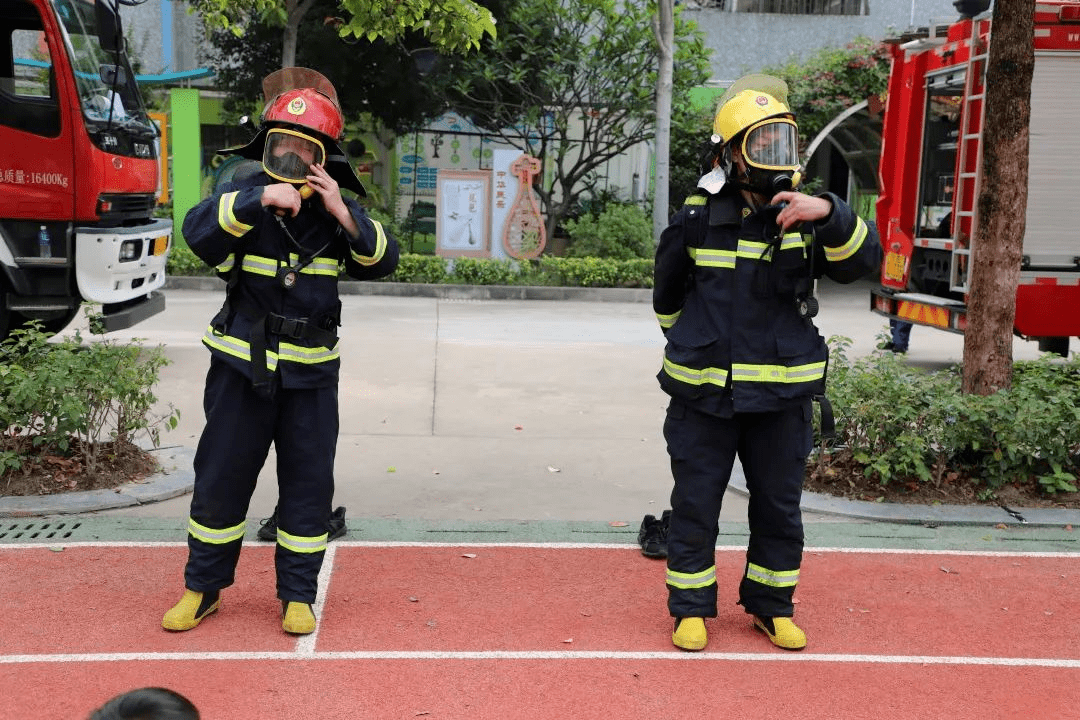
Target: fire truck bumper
920 309
124 315
120 264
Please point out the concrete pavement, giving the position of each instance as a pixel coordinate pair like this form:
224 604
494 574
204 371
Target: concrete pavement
459 407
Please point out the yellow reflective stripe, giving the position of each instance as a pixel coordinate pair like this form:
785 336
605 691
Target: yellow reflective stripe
835 254
752 249
696 200
689 581
694 376
772 578
707 257
226 219
380 246
287 352
299 544
215 537
792 240
742 372
236 347
259 265
227 265
318 266
667 321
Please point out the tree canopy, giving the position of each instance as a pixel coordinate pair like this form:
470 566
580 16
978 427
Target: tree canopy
378 78
573 84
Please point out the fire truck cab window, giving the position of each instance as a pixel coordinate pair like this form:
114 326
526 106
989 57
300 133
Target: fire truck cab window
28 99
941 132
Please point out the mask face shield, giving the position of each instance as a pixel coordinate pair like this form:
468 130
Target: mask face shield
771 152
772 145
288 155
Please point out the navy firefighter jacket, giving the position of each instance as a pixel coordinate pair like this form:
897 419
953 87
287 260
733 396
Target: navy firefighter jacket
292 330
726 292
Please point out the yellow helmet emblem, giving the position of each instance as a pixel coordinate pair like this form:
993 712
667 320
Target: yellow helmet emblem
297 106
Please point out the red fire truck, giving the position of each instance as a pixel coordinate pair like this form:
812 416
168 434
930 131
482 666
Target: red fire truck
79 174
931 160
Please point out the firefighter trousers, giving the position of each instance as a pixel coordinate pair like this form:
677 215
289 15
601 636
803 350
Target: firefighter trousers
772 448
240 425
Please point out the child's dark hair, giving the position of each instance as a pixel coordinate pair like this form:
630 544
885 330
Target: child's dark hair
152 703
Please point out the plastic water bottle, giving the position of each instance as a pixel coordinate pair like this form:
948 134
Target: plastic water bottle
44 243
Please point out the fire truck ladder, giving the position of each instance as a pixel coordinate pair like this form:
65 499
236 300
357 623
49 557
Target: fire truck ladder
972 115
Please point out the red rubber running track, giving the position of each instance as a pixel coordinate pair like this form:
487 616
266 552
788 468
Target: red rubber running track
542 631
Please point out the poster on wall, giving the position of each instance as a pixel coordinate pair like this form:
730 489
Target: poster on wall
463 219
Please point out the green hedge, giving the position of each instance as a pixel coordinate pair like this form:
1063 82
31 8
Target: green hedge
547 271
902 424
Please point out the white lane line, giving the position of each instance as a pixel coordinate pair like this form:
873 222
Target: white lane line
1066 663
305 646
553 546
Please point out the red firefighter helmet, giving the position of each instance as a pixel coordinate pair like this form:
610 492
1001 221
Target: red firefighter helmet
306 108
302 124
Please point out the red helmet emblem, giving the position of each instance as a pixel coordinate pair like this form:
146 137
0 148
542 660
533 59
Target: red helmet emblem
762 100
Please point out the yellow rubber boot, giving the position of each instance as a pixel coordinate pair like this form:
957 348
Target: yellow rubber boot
782 632
298 618
186 614
690 634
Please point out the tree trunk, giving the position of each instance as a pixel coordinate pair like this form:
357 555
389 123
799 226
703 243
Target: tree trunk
295 10
664 28
1002 203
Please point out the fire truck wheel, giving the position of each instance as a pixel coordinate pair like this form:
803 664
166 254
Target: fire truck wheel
1056 345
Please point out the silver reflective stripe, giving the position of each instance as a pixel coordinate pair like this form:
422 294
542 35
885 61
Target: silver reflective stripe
299 544
380 246
772 578
694 376
741 372
707 257
227 220
259 265
236 347
689 581
753 250
793 241
287 352
227 265
835 254
215 537
667 321
318 266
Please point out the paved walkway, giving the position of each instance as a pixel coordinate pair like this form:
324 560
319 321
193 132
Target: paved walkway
472 404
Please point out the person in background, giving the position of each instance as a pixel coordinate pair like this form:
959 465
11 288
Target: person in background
150 703
734 274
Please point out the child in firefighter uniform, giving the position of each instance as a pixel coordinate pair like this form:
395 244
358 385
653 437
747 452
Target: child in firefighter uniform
733 293
280 237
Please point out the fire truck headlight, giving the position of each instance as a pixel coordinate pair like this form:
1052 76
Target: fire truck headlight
130 250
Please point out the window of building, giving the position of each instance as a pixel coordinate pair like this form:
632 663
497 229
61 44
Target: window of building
791 7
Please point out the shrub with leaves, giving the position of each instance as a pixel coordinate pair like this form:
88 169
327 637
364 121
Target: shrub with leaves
902 424
183 262
620 231
60 394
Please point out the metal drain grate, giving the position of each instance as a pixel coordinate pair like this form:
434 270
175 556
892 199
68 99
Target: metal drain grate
37 531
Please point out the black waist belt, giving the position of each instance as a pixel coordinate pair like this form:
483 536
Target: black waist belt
300 329
265 324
